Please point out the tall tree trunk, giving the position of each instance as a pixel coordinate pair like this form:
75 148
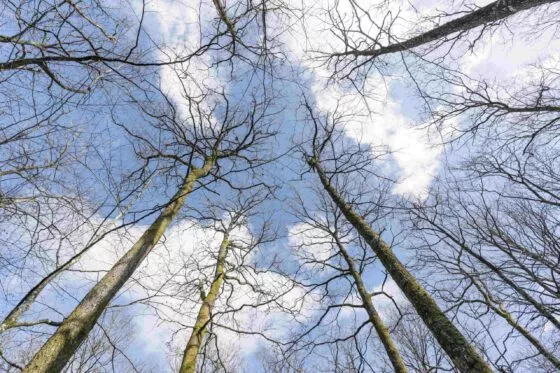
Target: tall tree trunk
375 318
490 13
56 352
200 329
459 350
495 269
501 311
12 319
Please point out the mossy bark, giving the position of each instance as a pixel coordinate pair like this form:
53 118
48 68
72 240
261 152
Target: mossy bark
382 331
200 329
459 350
55 353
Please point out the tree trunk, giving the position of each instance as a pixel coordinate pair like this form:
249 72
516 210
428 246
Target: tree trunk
459 350
12 319
375 318
490 13
501 311
56 352
188 364
524 294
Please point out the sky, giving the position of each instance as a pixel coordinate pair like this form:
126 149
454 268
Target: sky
392 117
394 114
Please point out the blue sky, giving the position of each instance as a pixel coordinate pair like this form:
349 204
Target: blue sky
391 118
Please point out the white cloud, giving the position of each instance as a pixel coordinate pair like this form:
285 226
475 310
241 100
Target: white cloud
179 30
172 273
310 245
378 118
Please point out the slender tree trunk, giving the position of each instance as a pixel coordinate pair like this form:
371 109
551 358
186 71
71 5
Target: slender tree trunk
12 319
375 318
200 329
488 14
524 294
508 317
56 352
457 347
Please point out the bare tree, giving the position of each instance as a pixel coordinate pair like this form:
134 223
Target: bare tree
91 39
499 250
104 348
200 152
519 114
98 232
484 285
458 348
225 268
366 32
338 261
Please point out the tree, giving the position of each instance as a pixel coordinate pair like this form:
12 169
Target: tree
235 136
89 38
338 262
495 210
518 114
112 114
494 247
225 268
366 33
104 348
458 348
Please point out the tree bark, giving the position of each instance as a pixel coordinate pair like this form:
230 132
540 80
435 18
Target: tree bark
200 329
375 318
459 350
55 353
